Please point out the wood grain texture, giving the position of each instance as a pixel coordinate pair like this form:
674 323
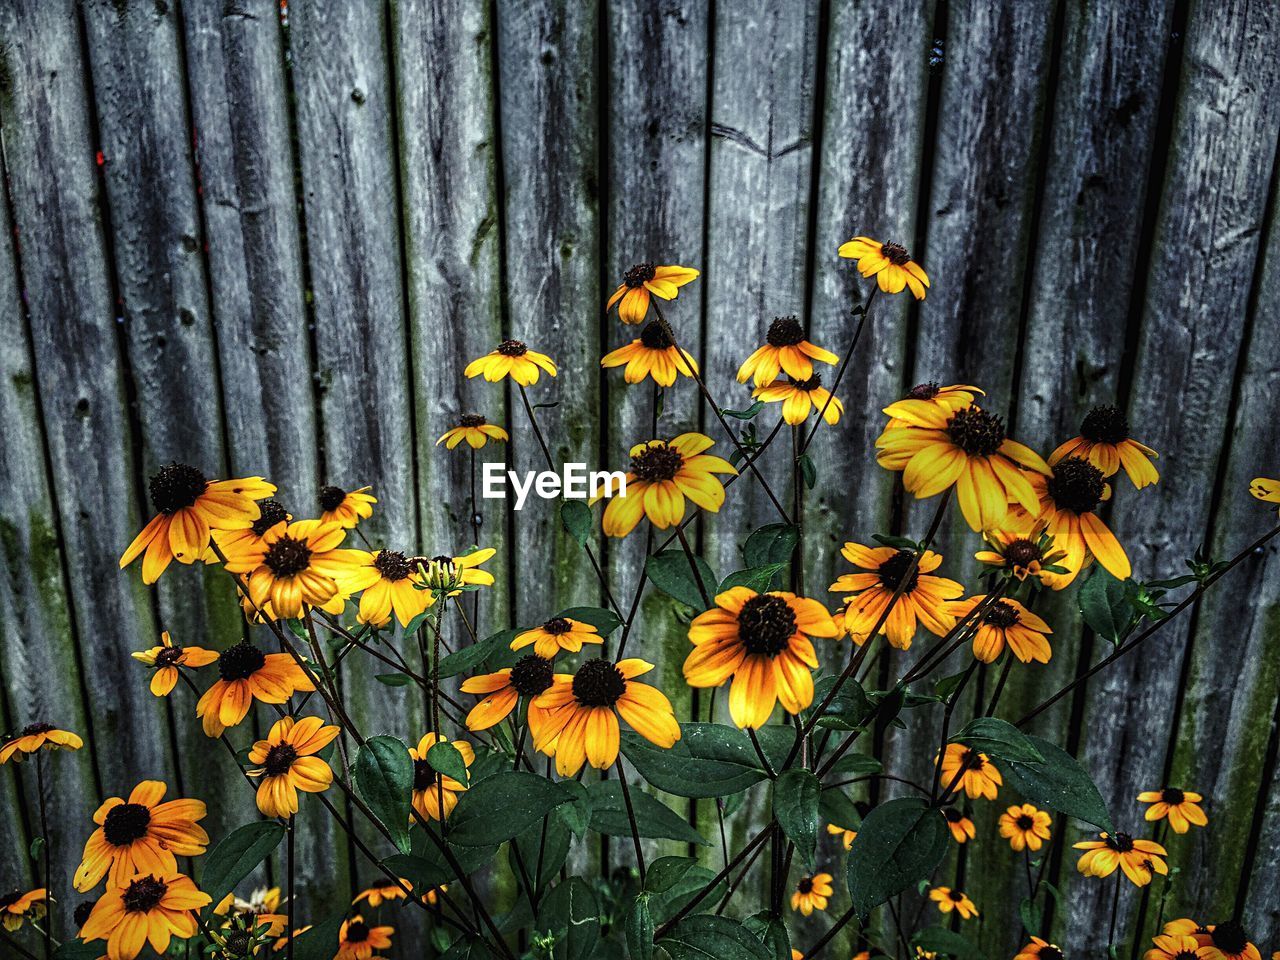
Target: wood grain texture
1225 133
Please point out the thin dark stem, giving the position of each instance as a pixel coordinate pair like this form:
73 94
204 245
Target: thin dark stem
292 831
797 511
715 881
1115 910
44 857
816 950
693 565
764 760
897 926
946 727
1000 683
476 520
844 365
631 819
22 951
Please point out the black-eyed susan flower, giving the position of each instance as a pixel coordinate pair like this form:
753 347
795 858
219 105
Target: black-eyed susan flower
37 736
1228 941
811 893
430 788
270 512
799 398
762 641
961 827
558 633
846 835
390 584
1186 927
146 908
17 907
1025 827
1181 807
512 359
948 899
384 891
262 909
968 449
247 674
167 658
1006 622
980 777
1264 489
583 709
475 430
663 473
529 678
1069 499
346 508
643 280
953 397
287 763
450 574
297 565
889 263
786 350
1139 859
1105 442
1039 949
924 600
652 354
191 506
1027 552
1173 947
357 939
142 834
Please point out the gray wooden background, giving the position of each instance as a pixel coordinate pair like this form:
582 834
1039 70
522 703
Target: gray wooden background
269 245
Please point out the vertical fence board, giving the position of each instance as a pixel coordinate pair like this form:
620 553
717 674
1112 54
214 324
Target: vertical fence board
1224 145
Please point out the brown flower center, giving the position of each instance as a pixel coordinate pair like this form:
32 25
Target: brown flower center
639 275
557 626
169 656
176 486
1022 553
357 932
31 729
805 885
766 624
331 498
287 557
1105 424
1001 614
972 760
924 391
144 894
956 896
952 814
512 348
472 420
657 462
976 432
80 916
598 683
895 568
1230 938
125 823
813 383
1120 842
10 898
1052 953
1025 822
279 759
270 512
895 253
785 332
424 775
531 675
241 661
654 337
1076 485
392 565
1172 796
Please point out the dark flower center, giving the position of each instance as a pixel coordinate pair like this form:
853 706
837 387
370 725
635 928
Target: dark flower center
81 914
657 462
766 624
279 759
952 814
805 885
924 391
1001 614
125 823
1051 953
598 683
512 348
956 896
239 943
976 432
972 760
357 932
638 275
287 557
391 564
557 625
785 332
424 775
654 337
813 383
895 568
1106 424
241 661
331 498
176 486
169 656
144 894
32 729
1025 822
1022 553
270 513
1076 485
895 253
1172 796
1120 842
1230 938
531 675
10 898
1180 955
472 420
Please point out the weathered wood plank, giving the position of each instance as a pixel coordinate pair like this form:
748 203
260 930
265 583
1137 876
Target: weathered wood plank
1224 145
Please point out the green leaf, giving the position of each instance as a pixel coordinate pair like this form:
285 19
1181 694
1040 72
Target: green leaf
1104 606
605 621
394 679
423 873
545 842
704 936
445 758
465 948
753 578
771 932
671 573
79 950
666 872
576 812
945 687
941 940
857 765
1060 784
502 807
384 777
835 807
639 930
709 760
36 848
999 739
671 901
321 941
847 711
467 659
772 543
237 854
1030 915
901 843
653 818
746 414
808 472
575 914
576 517
795 807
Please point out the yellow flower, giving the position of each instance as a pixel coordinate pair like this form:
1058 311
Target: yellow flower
1181 807
1228 941
1264 489
287 763
955 396
17 906
384 891
558 633
948 900
761 640
140 834
511 359
147 908
846 835
785 351
474 429
642 280
582 714
799 397
1105 442
357 940
961 827
924 599
1005 622
529 678
1027 552
1069 499
1139 859
270 512
297 565
37 736
1025 827
1167 947
190 508
166 659
431 790
811 893
652 355
663 473
1184 927
389 583
346 509
246 674
1039 949
889 263
449 574
980 777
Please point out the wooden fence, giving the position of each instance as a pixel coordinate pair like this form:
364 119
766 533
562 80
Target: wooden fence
268 244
